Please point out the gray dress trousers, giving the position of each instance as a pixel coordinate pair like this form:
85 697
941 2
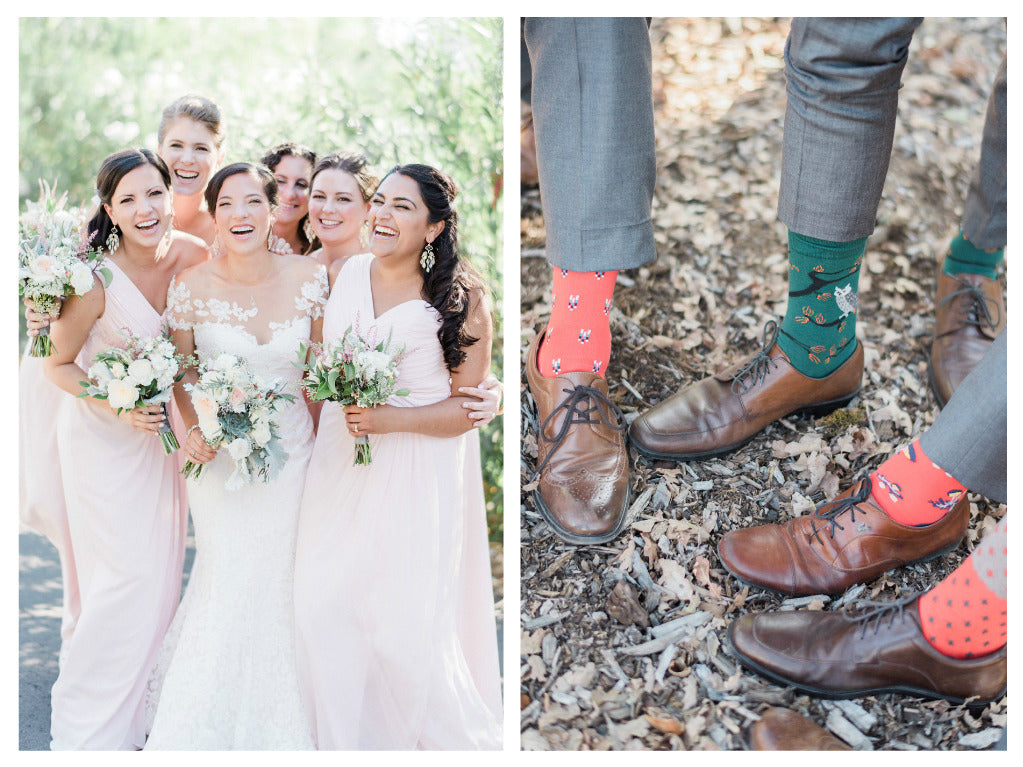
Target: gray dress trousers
968 438
590 91
843 79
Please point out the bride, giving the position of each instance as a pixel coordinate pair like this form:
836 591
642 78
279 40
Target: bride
228 662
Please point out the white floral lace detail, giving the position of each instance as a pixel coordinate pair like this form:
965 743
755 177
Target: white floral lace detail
313 295
178 305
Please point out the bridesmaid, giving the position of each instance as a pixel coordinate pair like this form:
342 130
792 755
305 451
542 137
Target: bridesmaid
292 165
125 502
342 187
191 141
393 600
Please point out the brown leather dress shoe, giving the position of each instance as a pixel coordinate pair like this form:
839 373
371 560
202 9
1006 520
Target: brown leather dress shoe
968 316
722 412
780 729
845 541
583 467
880 649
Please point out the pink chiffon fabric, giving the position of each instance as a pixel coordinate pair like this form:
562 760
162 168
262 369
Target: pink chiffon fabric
394 604
41 489
127 517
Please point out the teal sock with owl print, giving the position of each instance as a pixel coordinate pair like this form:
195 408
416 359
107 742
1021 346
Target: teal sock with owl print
818 331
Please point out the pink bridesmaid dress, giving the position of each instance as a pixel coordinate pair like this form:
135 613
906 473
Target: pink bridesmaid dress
127 517
41 489
397 645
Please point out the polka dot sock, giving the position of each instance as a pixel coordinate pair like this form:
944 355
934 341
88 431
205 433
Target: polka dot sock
964 615
912 489
578 337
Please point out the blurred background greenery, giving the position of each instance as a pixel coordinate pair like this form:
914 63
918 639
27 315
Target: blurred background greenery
399 90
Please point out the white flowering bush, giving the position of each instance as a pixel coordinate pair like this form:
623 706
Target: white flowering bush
142 372
236 410
353 370
55 259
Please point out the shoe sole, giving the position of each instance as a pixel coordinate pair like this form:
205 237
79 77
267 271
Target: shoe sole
812 411
746 582
575 538
934 384
899 689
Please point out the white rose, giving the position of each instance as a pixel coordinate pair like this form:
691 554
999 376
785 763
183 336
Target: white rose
118 370
261 434
81 278
239 448
141 372
374 361
225 362
122 394
44 267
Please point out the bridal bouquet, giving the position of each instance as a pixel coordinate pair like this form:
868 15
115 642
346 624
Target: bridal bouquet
141 373
236 410
352 370
54 258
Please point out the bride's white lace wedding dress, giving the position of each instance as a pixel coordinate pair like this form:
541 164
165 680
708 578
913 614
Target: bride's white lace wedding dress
226 674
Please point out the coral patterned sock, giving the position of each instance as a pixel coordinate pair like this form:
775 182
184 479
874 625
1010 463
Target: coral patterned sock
578 338
912 489
964 615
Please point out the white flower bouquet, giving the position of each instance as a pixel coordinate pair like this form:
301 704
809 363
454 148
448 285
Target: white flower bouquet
236 411
352 370
143 372
55 259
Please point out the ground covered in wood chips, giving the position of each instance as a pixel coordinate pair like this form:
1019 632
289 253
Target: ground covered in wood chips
666 680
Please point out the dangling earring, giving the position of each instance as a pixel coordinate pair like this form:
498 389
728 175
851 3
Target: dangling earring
364 235
307 227
215 247
113 239
168 236
427 259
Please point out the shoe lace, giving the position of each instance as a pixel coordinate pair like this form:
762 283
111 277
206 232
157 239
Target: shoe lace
757 368
875 614
977 309
576 413
830 511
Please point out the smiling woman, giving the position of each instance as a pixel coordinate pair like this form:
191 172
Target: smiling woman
292 165
260 308
126 509
190 138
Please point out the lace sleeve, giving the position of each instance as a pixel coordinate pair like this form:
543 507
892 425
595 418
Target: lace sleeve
313 296
180 312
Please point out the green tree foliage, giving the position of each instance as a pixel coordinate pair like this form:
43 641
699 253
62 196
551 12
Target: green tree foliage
399 90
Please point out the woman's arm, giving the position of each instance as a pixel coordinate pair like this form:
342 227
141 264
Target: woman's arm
315 337
69 334
446 418
194 445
